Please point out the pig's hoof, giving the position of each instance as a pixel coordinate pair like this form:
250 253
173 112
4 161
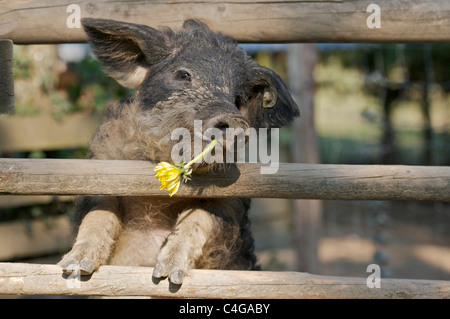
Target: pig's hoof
175 274
83 267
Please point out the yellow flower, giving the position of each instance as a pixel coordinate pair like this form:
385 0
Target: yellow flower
170 175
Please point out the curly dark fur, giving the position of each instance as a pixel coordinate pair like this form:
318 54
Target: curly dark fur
180 76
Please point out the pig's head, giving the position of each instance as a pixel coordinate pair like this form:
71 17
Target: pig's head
180 76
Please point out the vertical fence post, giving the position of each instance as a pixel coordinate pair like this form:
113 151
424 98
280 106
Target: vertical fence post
6 77
302 59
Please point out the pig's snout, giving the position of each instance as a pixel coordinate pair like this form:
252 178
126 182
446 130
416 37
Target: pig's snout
232 128
227 121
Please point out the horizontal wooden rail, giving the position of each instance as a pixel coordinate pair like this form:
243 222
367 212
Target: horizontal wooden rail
45 132
293 180
48 21
35 238
35 279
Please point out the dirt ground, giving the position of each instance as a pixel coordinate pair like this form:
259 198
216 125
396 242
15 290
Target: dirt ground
406 239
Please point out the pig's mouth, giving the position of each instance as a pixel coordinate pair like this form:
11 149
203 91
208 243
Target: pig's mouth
224 153
228 150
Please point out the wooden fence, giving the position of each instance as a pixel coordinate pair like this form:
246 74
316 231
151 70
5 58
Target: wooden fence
293 180
6 78
249 21
45 21
32 279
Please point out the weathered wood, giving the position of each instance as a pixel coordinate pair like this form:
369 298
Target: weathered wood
307 214
293 180
20 239
12 201
44 132
248 21
32 279
6 77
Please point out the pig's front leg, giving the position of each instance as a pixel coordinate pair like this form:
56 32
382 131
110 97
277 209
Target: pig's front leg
94 242
184 245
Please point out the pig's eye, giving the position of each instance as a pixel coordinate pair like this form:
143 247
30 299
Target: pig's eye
183 76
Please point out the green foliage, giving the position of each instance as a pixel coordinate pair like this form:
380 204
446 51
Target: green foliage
92 91
93 82
412 56
22 64
350 118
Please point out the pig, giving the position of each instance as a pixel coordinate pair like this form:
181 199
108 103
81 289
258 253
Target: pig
180 76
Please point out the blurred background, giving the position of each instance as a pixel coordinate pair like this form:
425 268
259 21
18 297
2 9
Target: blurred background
360 104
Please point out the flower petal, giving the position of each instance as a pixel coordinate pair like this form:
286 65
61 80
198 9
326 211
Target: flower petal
169 176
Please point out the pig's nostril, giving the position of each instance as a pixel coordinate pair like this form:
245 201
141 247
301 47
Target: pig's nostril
222 126
224 122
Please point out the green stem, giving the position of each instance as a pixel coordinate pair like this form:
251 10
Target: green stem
205 151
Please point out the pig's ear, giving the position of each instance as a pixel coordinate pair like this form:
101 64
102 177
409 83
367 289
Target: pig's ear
126 50
269 102
194 24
